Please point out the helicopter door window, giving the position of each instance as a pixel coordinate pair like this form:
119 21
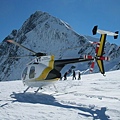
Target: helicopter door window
24 73
32 72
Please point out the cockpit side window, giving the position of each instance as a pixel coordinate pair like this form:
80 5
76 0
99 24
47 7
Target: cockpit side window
24 73
32 72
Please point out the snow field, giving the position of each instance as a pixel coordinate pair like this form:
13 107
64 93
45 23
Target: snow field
92 97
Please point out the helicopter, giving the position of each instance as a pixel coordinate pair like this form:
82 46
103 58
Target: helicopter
45 70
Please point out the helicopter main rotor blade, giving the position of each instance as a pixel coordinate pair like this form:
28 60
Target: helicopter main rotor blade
15 57
12 41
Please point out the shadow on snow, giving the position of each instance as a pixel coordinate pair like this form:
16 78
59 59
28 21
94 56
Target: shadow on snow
50 100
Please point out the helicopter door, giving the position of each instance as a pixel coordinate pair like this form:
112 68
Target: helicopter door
24 74
32 72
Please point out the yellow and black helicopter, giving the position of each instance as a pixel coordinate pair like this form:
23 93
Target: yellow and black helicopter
45 70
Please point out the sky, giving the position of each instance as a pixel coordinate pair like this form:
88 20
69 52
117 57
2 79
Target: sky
81 15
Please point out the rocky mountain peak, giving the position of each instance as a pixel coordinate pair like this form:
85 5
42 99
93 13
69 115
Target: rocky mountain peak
42 32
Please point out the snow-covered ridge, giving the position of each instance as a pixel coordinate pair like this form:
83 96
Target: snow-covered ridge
42 32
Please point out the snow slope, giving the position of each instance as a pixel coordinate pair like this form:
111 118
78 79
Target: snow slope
93 98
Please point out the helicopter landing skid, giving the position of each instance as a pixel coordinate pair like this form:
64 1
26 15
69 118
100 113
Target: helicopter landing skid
26 89
37 90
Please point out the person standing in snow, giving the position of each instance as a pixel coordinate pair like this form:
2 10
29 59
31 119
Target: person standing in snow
65 76
79 75
74 75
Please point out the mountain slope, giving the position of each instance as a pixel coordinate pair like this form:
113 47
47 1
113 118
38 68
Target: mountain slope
92 97
45 33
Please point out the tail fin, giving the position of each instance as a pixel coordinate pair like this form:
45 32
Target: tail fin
116 36
101 66
96 30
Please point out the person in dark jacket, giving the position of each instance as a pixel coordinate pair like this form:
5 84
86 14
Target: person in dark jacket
74 75
79 75
65 76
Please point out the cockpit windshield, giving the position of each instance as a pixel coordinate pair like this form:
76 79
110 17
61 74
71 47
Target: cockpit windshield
32 72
